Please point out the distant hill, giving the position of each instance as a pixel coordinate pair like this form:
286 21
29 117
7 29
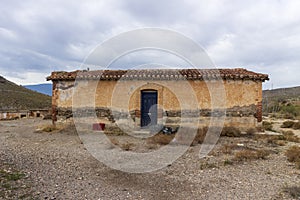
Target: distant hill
285 101
15 97
45 88
283 93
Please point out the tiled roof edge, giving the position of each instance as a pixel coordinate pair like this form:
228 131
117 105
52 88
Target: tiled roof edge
160 74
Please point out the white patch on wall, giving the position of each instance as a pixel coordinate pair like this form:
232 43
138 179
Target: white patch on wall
66 94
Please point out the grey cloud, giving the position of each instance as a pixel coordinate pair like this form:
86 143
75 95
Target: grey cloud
41 36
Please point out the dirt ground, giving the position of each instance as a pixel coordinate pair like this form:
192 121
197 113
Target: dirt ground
56 165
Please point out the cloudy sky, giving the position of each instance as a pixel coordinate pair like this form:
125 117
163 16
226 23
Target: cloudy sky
39 36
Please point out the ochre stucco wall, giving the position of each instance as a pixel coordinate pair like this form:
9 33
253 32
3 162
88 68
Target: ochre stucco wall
124 96
108 93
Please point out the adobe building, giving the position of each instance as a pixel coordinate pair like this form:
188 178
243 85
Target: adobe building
152 96
18 114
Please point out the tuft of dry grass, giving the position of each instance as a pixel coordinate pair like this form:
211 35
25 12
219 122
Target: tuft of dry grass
208 165
293 191
268 126
287 124
114 141
293 154
231 131
280 142
161 139
298 164
128 146
228 162
48 128
291 124
247 154
251 131
186 136
296 126
151 146
113 130
228 148
290 136
262 154
201 134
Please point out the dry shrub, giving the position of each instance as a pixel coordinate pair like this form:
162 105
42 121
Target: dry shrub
227 148
278 139
151 146
290 136
231 131
287 133
293 154
293 191
287 124
228 162
298 164
208 165
247 154
260 137
113 130
293 138
200 136
267 126
280 142
288 116
161 139
49 128
187 134
296 126
127 146
262 154
114 141
272 139
251 131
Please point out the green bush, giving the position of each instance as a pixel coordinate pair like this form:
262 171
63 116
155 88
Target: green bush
290 110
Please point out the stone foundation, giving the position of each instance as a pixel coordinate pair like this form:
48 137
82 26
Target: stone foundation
243 117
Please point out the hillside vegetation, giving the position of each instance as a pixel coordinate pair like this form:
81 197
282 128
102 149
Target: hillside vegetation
15 97
283 102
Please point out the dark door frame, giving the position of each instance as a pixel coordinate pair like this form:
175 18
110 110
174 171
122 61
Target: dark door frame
148 116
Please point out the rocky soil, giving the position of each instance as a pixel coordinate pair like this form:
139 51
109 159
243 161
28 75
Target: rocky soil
56 165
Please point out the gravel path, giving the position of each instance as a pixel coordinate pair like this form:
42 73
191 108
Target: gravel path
59 167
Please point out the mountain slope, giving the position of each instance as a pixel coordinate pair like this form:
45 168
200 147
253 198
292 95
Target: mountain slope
15 97
45 88
284 101
282 93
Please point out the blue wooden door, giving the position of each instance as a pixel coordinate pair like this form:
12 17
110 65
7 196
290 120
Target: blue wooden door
148 108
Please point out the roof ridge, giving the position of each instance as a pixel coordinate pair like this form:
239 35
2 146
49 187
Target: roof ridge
160 74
